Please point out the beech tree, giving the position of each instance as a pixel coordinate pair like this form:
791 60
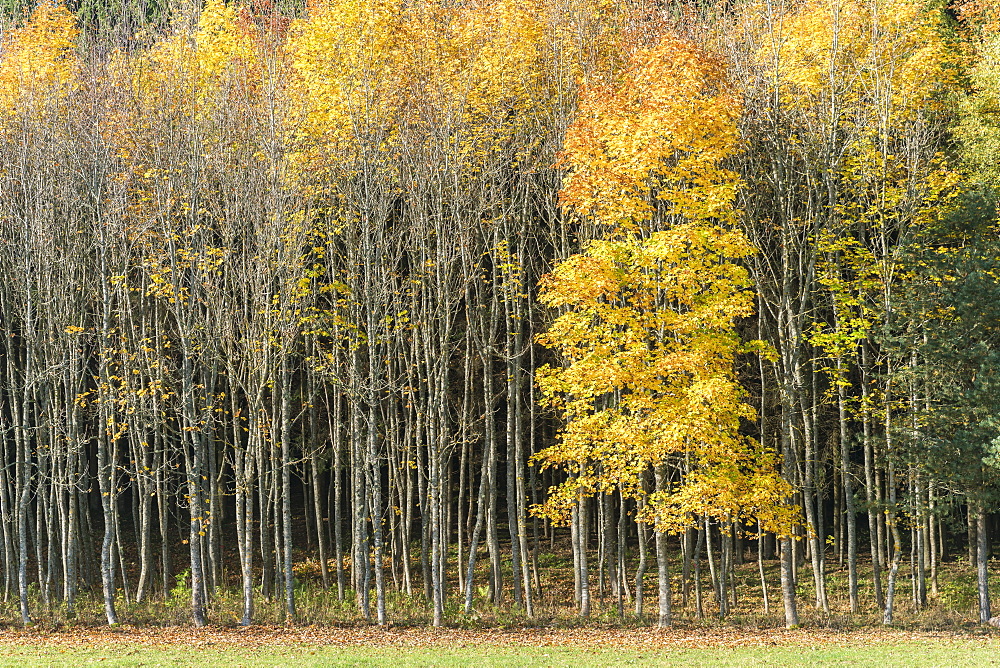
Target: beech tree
649 339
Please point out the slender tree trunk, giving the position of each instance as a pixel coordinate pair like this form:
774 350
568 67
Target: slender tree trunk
760 567
897 546
662 560
851 518
871 488
582 531
640 571
610 540
699 602
787 553
474 539
982 559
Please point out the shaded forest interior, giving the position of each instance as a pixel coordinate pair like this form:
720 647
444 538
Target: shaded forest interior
418 310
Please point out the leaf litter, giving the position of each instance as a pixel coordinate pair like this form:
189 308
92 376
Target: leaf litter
219 637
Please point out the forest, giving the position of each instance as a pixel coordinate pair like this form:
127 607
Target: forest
437 311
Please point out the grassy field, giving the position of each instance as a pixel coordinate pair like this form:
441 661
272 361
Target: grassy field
967 653
229 649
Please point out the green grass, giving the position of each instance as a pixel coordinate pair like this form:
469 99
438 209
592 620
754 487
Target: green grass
948 653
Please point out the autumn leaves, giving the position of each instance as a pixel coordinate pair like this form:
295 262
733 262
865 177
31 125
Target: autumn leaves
647 329
317 252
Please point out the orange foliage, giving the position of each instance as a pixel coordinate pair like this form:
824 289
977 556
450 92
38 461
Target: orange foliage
647 340
660 133
37 62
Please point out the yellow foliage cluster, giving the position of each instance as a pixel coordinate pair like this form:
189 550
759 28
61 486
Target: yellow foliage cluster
348 58
888 59
38 63
649 377
664 129
373 79
347 81
647 334
208 62
979 124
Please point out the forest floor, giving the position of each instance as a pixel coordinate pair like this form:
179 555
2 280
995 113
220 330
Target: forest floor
592 646
331 632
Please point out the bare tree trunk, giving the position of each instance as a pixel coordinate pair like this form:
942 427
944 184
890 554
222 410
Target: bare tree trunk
760 567
662 560
610 540
338 527
871 488
375 491
716 572
582 531
286 485
23 491
897 545
851 519
699 603
982 560
932 537
474 539
244 526
787 552
640 571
